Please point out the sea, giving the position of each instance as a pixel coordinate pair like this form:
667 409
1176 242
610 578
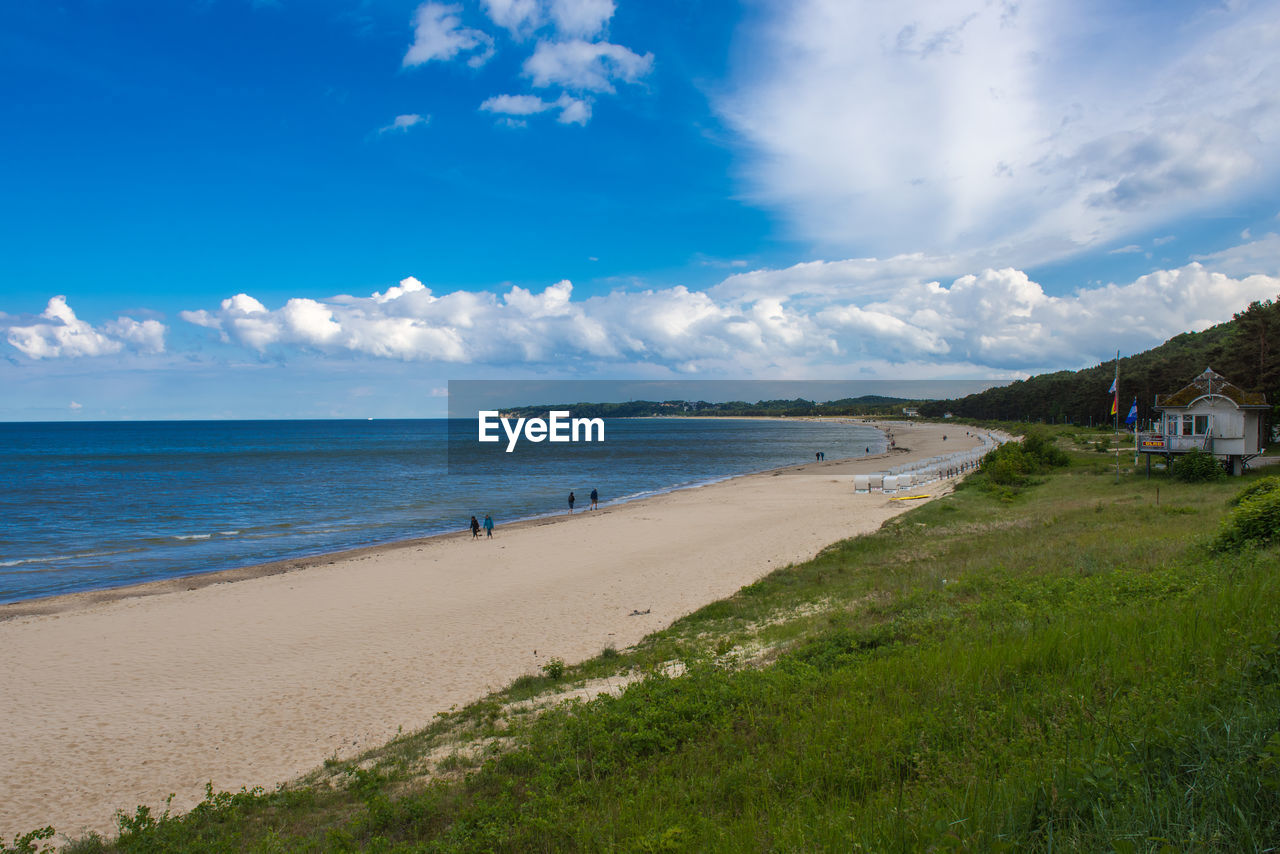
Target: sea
87 506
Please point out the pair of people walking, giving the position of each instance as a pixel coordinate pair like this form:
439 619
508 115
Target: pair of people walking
595 500
488 527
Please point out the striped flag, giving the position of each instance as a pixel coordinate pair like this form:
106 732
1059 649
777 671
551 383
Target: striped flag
1132 417
1114 388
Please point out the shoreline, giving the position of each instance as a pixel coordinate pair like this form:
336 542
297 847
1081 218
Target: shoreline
119 702
62 602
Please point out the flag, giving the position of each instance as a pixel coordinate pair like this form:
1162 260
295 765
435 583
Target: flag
1113 388
1115 403
1132 417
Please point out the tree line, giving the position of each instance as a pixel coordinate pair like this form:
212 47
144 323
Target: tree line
867 405
1243 349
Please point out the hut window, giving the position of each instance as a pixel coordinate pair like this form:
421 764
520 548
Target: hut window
1187 423
1202 425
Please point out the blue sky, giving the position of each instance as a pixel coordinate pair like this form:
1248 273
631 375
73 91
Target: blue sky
270 208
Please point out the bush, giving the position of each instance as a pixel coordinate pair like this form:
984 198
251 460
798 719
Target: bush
1008 465
1254 522
1012 462
1258 487
1198 466
27 842
1042 449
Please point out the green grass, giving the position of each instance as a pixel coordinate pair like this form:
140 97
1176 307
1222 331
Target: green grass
1062 665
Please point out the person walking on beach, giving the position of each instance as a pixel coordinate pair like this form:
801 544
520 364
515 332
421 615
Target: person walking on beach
475 528
595 499
571 500
488 527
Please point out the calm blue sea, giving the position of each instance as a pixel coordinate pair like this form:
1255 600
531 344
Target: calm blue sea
93 505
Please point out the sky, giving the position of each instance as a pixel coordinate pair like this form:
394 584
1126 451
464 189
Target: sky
331 208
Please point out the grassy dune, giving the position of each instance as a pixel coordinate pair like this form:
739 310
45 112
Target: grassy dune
1061 665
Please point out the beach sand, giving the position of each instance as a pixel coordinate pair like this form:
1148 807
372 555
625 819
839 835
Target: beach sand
255 677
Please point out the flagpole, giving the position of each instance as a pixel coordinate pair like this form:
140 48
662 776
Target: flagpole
1115 415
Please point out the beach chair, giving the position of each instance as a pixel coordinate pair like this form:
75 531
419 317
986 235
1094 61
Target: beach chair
861 483
890 484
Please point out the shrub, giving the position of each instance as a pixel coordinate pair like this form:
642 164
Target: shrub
1198 466
26 843
1001 466
1012 462
1008 465
1258 487
1042 449
1254 522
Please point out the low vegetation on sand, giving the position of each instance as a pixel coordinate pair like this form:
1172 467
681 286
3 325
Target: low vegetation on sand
1052 658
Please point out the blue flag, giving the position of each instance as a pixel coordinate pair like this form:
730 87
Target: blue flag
1132 417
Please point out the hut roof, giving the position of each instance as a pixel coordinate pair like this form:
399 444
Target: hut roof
1211 382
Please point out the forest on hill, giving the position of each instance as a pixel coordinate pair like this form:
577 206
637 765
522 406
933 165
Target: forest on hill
1245 349
867 405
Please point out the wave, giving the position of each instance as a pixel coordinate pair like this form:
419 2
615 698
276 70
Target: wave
7 564
201 536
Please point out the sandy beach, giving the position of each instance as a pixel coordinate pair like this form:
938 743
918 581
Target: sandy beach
255 677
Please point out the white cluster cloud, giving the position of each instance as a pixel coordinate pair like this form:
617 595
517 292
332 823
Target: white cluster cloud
438 34
1031 130
570 18
571 51
585 66
404 122
519 17
904 315
64 334
811 317
583 18
572 110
